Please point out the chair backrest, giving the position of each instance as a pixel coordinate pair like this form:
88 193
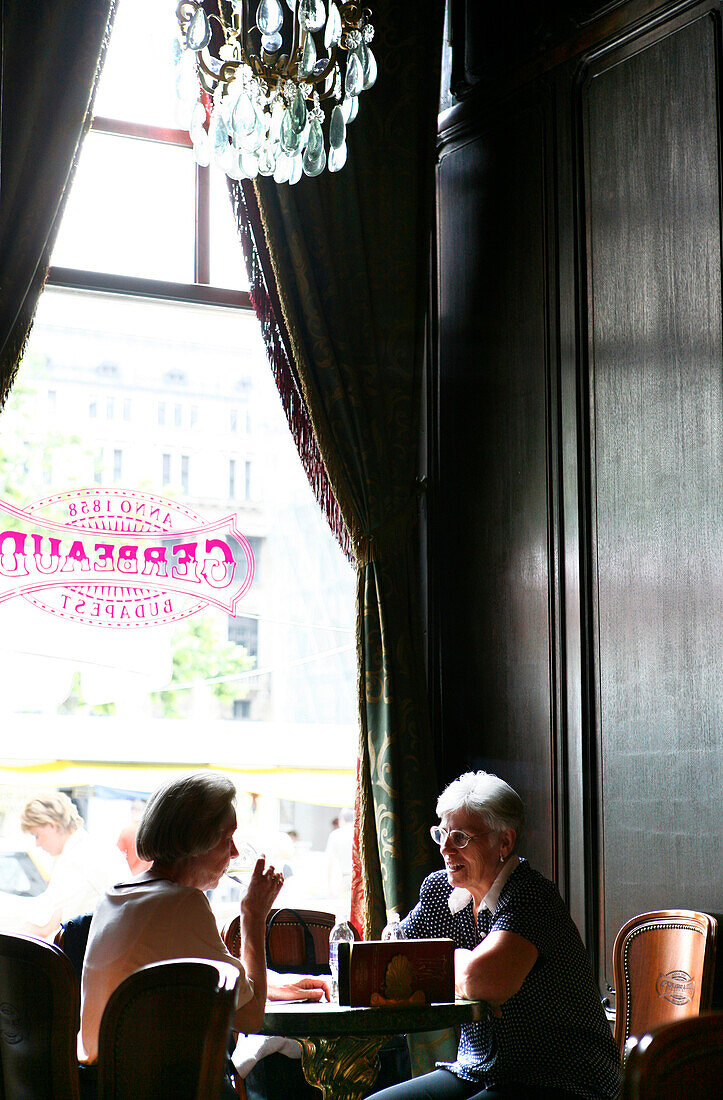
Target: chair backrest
680 1061
165 1031
663 966
297 940
38 1021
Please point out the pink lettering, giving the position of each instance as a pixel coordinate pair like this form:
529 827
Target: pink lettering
15 558
105 559
155 561
186 554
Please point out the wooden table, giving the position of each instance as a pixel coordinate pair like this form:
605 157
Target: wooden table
340 1045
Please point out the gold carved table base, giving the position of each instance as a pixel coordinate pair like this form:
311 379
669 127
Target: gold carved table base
344 1067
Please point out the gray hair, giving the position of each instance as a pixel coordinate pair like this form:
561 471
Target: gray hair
53 808
489 798
186 817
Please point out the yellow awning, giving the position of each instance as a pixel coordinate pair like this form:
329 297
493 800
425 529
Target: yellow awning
317 786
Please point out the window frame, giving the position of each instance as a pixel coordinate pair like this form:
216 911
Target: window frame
200 291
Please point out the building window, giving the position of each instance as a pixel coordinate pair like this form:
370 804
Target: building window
117 465
109 408
234 420
177 414
244 630
166 469
161 412
194 416
184 473
242 708
232 478
52 397
93 409
126 408
247 481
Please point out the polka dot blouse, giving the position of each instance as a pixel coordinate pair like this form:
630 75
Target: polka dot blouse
552 1033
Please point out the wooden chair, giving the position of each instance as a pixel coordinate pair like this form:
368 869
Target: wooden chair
165 1032
297 940
663 965
38 1021
680 1061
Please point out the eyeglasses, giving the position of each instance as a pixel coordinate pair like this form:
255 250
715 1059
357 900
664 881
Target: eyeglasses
457 837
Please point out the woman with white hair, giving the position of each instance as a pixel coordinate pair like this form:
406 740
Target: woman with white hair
187 834
518 949
82 871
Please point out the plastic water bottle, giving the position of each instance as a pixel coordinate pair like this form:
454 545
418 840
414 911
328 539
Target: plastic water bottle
393 929
341 933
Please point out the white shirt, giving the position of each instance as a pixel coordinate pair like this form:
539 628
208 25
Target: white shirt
82 873
459 899
143 921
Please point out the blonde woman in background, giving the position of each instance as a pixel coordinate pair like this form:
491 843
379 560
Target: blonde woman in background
82 872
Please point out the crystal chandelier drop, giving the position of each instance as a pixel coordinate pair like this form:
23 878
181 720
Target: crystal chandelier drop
269 68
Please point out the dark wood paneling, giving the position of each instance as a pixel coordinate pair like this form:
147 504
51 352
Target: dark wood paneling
493 562
653 258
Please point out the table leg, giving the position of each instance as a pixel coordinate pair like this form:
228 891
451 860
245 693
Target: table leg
344 1068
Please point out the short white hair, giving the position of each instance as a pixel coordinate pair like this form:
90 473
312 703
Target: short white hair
488 798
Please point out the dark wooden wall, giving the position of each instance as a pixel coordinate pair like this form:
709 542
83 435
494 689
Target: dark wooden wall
575 416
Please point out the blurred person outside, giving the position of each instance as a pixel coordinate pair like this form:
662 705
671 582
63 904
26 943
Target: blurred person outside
127 839
82 871
338 856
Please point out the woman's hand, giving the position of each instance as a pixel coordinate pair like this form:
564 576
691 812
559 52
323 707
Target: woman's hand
262 891
289 987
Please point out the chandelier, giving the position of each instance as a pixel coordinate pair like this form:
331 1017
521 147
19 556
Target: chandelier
269 69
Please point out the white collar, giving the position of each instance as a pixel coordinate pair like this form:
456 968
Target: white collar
460 898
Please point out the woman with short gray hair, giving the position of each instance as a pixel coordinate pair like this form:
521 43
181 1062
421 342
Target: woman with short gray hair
518 949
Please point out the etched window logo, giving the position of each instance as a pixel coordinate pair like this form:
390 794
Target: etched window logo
120 558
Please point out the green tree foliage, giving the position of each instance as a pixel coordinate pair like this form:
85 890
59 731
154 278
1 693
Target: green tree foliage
200 655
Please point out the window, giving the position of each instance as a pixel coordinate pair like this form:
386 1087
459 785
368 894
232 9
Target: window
234 420
243 630
141 304
109 408
52 398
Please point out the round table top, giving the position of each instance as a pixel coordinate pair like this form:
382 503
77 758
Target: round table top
301 1018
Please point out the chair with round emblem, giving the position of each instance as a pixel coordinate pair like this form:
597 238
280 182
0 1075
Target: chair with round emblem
38 1021
663 965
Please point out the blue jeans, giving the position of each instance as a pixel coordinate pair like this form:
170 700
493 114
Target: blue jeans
441 1084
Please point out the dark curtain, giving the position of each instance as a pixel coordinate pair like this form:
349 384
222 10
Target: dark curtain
51 56
347 267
